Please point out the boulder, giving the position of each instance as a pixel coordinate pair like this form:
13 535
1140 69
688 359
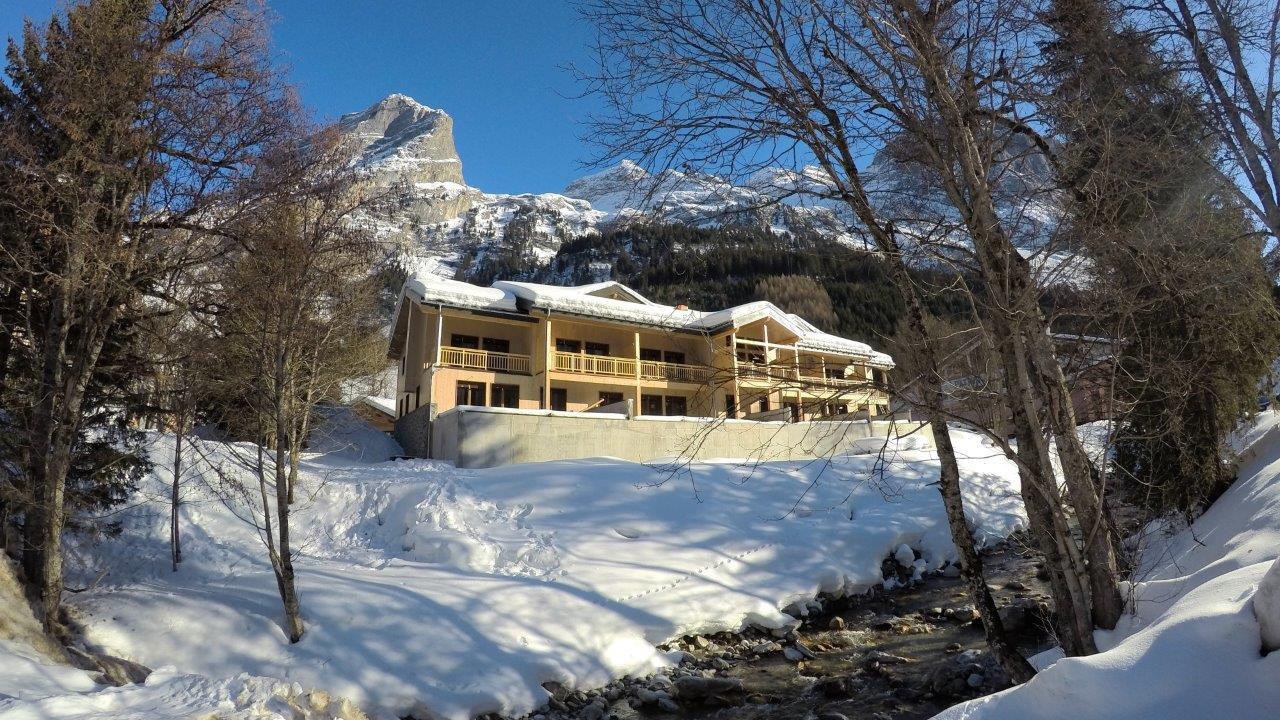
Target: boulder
699 688
904 555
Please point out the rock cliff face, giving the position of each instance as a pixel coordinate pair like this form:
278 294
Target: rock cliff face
407 149
399 135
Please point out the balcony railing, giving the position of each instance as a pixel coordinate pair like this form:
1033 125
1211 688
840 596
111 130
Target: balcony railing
678 372
626 368
816 379
485 360
595 365
786 373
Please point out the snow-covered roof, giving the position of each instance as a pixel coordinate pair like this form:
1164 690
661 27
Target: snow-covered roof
598 300
433 289
386 406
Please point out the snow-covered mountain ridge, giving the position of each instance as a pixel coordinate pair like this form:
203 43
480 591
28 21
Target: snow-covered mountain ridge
441 224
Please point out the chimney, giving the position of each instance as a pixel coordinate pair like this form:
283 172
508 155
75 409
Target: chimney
682 306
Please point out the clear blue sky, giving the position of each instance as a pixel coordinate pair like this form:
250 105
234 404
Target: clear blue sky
496 66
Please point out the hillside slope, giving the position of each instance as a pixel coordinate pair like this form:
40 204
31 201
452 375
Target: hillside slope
428 589
1191 648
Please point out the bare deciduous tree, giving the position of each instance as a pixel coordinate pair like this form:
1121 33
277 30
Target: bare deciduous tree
734 85
122 121
299 320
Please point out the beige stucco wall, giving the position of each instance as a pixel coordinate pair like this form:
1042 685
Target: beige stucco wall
477 438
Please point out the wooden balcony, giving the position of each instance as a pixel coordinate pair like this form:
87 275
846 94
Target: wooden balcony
594 365
834 381
615 367
485 360
786 374
676 372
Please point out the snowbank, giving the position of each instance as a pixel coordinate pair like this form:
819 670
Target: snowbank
1192 647
428 588
341 433
36 683
166 695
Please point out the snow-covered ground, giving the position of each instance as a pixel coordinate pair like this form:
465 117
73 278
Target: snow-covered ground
428 588
37 682
1191 649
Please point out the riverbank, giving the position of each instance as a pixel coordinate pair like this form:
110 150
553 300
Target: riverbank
900 654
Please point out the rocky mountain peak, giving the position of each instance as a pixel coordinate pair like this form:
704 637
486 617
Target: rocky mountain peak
398 136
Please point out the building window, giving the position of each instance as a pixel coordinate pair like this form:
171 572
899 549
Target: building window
609 398
572 346
595 348
882 409
764 404
650 404
877 377
504 395
836 373
470 393
559 399
470 342
498 345
795 412
673 356
677 405
748 356
650 355
731 406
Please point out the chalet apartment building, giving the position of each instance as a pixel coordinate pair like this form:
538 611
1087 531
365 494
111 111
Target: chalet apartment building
596 347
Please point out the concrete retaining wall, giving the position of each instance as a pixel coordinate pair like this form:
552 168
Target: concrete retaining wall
485 437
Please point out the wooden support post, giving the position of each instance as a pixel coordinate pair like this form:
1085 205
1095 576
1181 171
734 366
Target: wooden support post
431 372
638 409
439 332
769 393
547 360
733 358
403 388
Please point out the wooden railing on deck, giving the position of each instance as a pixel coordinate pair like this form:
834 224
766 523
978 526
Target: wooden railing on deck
595 365
678 372
626 368
485 360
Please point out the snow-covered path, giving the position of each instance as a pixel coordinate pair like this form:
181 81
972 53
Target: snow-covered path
427 588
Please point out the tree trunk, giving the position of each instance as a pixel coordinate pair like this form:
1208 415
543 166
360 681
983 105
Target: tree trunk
284 573
1011 297
301 427
175 540
8 322
971 566
1082 487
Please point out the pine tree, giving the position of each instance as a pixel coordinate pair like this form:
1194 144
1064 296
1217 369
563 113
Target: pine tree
1180 276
